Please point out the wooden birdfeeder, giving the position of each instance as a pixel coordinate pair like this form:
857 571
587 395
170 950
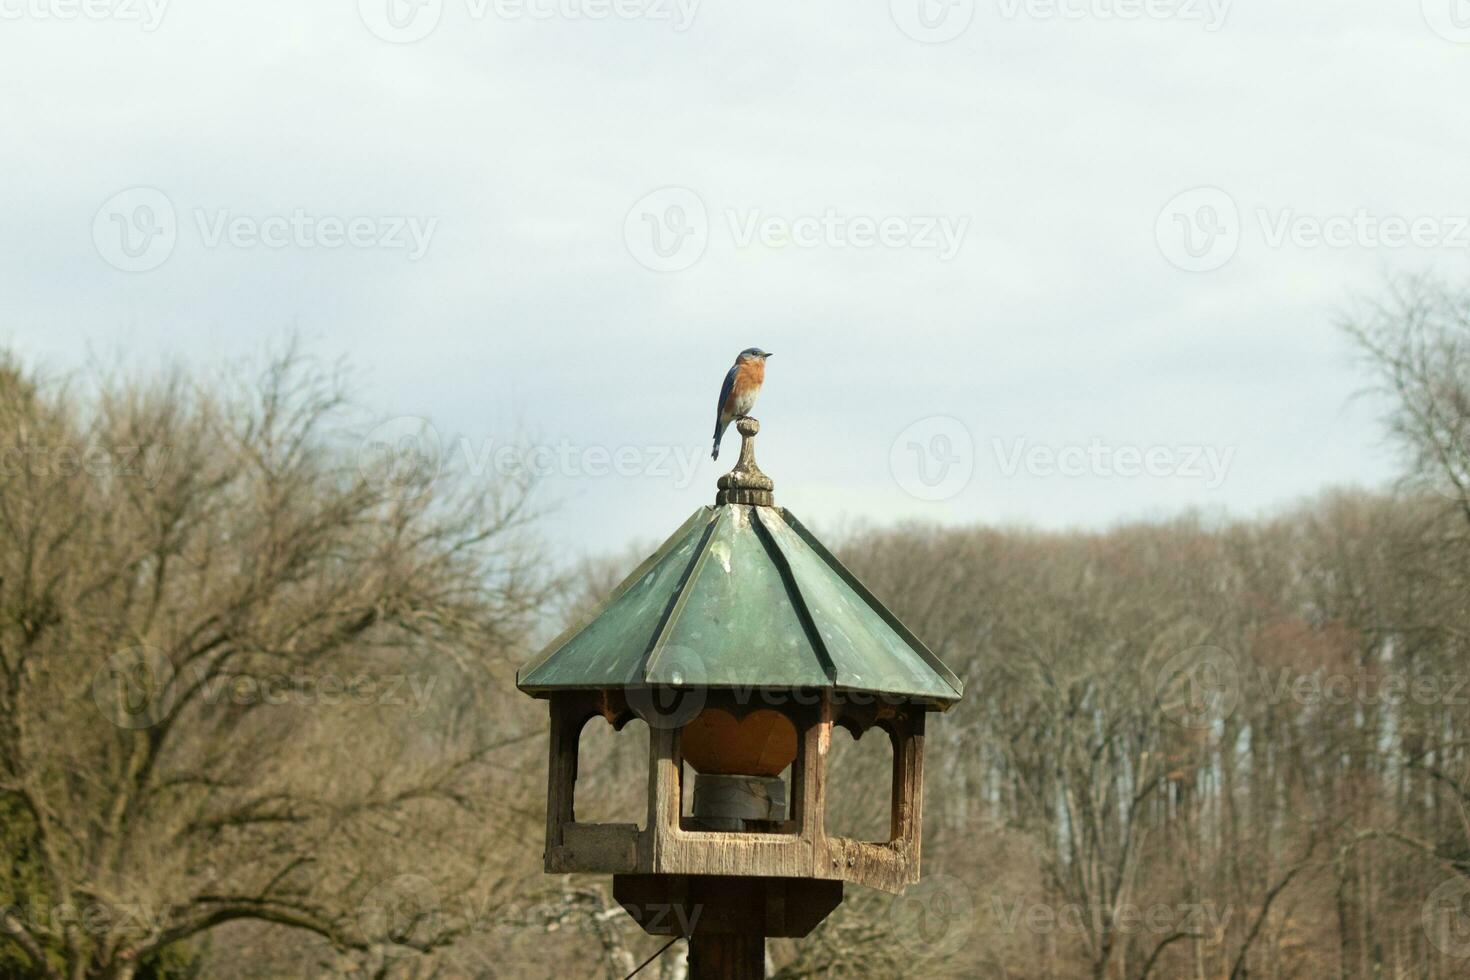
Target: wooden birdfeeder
741 642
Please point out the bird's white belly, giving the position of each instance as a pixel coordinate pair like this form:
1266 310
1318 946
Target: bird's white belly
743 401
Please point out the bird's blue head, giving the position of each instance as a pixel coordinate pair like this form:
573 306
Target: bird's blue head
752 354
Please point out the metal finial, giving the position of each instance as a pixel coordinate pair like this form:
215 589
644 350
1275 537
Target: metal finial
746 484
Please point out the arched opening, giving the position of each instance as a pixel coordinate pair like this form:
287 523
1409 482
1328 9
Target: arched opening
736 774
860 785
612 773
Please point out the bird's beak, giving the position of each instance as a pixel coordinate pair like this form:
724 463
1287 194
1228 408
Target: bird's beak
766 355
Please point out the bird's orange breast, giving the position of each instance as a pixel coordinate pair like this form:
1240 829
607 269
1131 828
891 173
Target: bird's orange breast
743 387
751 373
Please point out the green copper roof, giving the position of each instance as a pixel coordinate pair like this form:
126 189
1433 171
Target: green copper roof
742 596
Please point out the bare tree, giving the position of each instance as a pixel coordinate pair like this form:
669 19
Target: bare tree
248 671
1416 342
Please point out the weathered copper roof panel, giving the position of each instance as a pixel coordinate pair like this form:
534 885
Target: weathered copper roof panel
743 596
738 619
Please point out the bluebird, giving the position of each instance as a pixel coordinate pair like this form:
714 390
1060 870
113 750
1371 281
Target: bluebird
737 394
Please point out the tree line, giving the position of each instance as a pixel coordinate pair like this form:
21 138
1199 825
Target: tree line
257 714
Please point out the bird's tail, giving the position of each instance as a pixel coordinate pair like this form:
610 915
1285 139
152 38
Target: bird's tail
719 431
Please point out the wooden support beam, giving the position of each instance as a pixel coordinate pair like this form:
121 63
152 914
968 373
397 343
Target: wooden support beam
727 957
561 777
665 778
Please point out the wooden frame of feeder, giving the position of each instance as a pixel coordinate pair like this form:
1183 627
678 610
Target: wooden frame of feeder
798 848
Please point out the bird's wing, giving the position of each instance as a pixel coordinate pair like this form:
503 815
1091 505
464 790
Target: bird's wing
725 390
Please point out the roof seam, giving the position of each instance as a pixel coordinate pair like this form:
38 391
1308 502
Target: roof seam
930 658
575 629
681 597
799 601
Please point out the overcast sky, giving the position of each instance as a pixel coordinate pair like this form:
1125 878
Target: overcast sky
1060 263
